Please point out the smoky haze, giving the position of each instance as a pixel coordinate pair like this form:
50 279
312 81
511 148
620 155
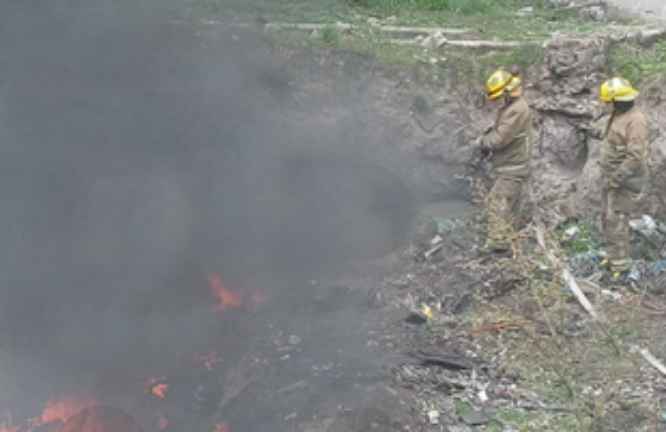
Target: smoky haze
136 159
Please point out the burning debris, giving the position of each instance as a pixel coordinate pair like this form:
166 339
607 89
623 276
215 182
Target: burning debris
158 387
63 409
229 298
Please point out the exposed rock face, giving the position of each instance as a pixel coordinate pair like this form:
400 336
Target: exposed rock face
564 95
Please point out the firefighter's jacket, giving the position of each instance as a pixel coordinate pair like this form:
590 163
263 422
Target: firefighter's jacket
511 139
625 149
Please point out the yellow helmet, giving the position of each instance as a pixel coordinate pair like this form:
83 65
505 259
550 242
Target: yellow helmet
500 82
617 89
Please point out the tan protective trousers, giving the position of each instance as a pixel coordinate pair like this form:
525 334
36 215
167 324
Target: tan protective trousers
503 205
617 207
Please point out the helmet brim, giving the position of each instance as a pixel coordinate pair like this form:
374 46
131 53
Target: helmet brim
628 98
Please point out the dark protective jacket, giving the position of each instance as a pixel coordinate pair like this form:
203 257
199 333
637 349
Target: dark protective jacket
511 139
624 150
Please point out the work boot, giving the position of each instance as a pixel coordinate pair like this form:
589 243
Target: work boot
605 264
619 277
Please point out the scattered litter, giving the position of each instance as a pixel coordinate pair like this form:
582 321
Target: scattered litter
427 311
570 234
435 248
657 268
474 418
435 40
634 274
646 226
566 274
445 226
433 417
612 295
483 396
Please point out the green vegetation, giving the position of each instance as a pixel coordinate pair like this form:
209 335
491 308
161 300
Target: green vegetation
498 20
465 7
493 18
636 65
584 241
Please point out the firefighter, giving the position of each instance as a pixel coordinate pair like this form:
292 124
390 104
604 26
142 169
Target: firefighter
623 162
509 143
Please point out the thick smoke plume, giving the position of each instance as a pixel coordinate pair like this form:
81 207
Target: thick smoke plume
138 157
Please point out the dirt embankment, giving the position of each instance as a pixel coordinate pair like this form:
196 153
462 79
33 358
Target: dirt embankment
423 131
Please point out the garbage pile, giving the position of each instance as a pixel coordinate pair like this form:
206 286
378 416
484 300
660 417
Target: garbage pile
490 341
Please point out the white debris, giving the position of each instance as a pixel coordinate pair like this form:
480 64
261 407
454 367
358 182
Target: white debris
570 233
646 225
434 40
433 417
526 11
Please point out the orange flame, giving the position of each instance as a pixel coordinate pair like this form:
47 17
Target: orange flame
6 425
160 390
7 428
61 410
158 387
162 422
221 427
228 298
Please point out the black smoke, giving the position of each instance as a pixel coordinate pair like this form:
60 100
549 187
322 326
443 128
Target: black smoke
136 157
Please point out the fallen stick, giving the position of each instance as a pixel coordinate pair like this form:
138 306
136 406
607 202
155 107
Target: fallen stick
433 250
583 6
566 274
653 360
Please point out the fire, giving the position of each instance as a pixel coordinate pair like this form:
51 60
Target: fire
157 387
160 390
6 425
162 422
62 409
228 298
7 428
221 427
